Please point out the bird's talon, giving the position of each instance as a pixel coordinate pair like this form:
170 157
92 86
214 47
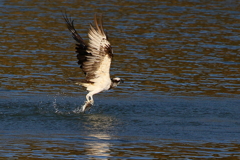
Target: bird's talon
91 102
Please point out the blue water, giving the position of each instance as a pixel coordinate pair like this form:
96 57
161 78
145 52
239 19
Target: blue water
207 119
52 127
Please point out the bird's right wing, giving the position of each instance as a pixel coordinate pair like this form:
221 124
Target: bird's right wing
81 46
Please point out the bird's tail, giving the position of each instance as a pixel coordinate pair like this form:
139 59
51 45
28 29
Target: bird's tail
83 83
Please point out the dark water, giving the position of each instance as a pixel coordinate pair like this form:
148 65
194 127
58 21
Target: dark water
180 100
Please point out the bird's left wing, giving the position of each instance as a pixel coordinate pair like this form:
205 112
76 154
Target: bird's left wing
98 63
95 57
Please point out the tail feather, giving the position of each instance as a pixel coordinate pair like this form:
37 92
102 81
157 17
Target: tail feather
81 82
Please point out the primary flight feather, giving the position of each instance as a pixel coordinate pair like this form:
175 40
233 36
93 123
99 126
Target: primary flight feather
94 59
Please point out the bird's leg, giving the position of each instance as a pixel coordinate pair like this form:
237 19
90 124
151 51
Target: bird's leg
92 101
87 105
89 98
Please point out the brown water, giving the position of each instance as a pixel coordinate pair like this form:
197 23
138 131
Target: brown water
181 66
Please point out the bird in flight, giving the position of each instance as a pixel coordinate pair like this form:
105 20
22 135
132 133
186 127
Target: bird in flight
94 59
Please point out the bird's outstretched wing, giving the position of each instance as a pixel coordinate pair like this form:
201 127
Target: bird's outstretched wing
95 57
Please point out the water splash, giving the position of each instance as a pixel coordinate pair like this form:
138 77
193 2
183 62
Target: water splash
85 107
55 105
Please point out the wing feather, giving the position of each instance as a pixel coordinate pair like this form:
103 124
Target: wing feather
95 57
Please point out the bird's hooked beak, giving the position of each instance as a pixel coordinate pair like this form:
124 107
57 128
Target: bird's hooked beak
121 81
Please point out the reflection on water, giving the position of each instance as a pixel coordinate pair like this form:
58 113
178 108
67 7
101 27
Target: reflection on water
163 50
100 148
174 128
103 147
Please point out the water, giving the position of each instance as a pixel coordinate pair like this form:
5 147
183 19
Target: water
180 100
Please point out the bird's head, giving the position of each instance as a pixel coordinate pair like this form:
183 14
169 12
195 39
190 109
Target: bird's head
116 81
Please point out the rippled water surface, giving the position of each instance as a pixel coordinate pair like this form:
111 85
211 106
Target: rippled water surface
180 61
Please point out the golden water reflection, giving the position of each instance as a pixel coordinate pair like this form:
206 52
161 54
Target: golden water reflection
99 148
182 48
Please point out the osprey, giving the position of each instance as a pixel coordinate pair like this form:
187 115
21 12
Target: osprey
94 59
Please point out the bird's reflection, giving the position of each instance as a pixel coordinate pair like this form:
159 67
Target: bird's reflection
99 140
98 146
